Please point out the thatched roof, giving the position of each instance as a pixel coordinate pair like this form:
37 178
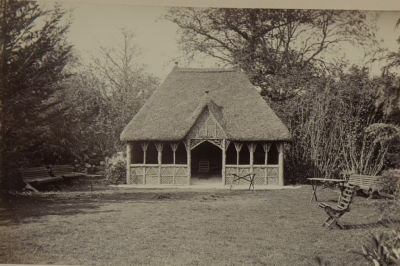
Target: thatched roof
173 108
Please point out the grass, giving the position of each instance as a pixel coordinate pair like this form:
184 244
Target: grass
115 226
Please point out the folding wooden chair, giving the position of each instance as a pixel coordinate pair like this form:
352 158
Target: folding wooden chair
343 206
204 168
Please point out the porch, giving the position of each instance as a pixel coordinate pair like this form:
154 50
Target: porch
177 163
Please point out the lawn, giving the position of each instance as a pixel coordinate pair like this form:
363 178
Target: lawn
115 226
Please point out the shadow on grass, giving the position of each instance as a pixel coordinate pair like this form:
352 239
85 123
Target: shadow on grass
384 223
17 209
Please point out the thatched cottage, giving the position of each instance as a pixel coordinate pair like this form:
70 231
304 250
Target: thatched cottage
212 115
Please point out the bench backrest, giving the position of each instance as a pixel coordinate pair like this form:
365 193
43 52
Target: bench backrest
204 166
347 196
363 181
34 173
61 169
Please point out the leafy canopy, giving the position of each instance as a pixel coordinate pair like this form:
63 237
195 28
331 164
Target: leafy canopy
281 51
33 56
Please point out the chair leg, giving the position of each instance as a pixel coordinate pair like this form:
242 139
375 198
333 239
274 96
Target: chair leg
333 220
329 222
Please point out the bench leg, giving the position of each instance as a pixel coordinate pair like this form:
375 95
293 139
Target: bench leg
28 186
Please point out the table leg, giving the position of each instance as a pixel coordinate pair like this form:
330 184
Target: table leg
233 181
314 193
252 184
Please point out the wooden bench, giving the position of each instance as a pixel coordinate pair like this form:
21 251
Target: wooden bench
37 175
366 183
65 171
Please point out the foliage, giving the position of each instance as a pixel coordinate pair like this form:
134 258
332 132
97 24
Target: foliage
390 181
123 85
335 128
389 97
389 100
103 97
390 184
33 56
383 249
116 169
281 51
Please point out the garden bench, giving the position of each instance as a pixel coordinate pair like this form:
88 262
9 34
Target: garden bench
65 171
366 183
37 175
343 206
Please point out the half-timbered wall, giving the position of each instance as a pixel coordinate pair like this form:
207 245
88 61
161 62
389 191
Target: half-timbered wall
206 127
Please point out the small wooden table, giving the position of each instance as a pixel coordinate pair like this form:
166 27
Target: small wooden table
327 182
249 177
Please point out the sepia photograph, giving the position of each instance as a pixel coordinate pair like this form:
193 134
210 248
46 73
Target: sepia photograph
185 133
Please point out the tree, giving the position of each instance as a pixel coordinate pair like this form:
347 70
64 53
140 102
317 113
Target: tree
333 130
33 55
103 97
281 51
389 101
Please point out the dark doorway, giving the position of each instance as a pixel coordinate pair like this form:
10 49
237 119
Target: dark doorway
209 152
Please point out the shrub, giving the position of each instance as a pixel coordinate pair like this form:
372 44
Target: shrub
383 249
116 169
390 182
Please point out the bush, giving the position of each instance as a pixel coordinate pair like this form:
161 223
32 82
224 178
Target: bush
390 182
383 249
116 169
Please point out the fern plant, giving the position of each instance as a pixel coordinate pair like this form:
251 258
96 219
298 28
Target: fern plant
383 249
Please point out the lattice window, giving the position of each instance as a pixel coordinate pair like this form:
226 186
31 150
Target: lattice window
181 180
152 179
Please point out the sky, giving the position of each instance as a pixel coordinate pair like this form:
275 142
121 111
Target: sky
96 24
